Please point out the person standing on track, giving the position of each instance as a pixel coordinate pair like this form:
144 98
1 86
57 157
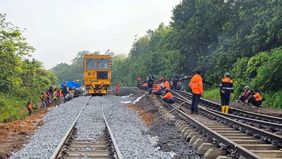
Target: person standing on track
226 88
197 89
117 88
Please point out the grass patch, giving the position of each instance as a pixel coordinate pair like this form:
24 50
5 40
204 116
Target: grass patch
13 108
273 100
212 94
10 108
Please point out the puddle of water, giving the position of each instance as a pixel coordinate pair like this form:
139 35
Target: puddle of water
127 96
138 99
125 102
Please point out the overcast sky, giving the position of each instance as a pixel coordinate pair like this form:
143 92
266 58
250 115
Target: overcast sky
58 29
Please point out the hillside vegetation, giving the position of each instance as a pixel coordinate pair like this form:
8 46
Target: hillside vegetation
20 76
215 36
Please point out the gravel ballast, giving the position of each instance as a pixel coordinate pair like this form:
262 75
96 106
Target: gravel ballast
90 124
47 137
129 131
166 136
169 139
134 139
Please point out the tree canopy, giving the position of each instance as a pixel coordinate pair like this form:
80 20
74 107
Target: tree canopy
215 36
21 77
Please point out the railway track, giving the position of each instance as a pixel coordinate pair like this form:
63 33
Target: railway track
105 147
266 122
234 138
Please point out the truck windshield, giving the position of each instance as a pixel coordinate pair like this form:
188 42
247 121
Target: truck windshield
91 64
103 64
97 64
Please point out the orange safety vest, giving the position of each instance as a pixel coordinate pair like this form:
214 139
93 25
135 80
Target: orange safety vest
168 96
158 88
145 84
196 84
258 96
29 106
166 85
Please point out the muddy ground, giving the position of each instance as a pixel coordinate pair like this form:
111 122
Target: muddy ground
14 134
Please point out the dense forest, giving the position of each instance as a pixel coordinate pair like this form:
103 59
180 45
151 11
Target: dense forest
21 76
215 36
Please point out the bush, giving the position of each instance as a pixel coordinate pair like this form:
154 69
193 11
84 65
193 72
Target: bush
212 94
10 108
273 100
269 75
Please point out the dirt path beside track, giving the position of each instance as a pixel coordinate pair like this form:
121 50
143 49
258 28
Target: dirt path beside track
14 134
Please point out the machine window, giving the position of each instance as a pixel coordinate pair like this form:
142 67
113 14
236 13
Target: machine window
103 64
102 75
91 64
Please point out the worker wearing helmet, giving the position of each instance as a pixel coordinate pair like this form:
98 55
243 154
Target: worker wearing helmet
226 88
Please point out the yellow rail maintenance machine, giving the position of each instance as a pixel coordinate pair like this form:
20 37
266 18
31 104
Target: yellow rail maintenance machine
97 73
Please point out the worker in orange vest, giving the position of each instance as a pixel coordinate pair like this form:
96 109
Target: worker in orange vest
197 89
168 97
157 90
145 86
257 99
117 88
166 85
29 107
226 88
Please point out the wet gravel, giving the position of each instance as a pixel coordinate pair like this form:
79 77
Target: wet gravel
171 140
47 137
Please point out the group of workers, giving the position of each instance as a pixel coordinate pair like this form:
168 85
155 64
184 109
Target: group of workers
52 96
163 87
251 96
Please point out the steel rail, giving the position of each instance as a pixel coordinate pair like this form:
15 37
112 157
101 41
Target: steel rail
118 153
265 124
262 123
275 139
210 134
61 144
217 106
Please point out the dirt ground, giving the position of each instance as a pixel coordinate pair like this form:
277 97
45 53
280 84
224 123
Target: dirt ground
144 107
14 134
